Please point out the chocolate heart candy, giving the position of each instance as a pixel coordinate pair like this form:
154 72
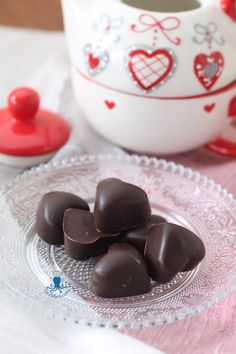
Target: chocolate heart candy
171 249
82 240
49 216
137 237
121 272
120 206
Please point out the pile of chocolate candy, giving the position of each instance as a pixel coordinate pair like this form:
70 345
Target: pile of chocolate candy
134 244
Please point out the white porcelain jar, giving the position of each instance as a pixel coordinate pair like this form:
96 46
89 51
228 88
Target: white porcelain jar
153 81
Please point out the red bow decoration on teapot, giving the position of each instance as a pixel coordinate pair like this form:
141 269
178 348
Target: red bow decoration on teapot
149 22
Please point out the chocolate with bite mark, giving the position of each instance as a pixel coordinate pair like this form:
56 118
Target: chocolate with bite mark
171 249
81 238
120 206
121 272
50 214
137 237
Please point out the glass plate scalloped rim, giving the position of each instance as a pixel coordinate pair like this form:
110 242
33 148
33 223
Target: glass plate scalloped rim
163 165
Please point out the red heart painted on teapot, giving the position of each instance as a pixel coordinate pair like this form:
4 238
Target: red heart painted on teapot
208 108
208 68
110 104
150 68
93 61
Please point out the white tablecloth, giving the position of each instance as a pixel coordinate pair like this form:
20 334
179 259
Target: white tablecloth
39 59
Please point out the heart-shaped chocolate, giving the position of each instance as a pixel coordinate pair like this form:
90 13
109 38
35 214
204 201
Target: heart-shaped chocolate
50 214
171 249
81 238
121 272
137 237
120 206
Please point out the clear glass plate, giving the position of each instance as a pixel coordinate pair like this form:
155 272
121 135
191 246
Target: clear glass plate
182 196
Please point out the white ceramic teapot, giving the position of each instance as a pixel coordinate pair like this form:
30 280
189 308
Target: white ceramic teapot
154 76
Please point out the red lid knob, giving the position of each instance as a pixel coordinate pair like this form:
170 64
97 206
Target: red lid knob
23 103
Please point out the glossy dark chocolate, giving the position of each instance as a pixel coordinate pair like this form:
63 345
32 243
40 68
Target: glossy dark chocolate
50 214
121 272
120 206
81 238
137 237
171 249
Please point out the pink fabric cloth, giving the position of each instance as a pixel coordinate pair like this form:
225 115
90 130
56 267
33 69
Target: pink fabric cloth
212 332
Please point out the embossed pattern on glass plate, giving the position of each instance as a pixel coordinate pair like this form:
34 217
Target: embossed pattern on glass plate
181 195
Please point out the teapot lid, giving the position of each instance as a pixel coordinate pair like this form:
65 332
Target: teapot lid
28 131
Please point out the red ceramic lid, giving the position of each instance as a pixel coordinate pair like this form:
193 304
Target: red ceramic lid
26 130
